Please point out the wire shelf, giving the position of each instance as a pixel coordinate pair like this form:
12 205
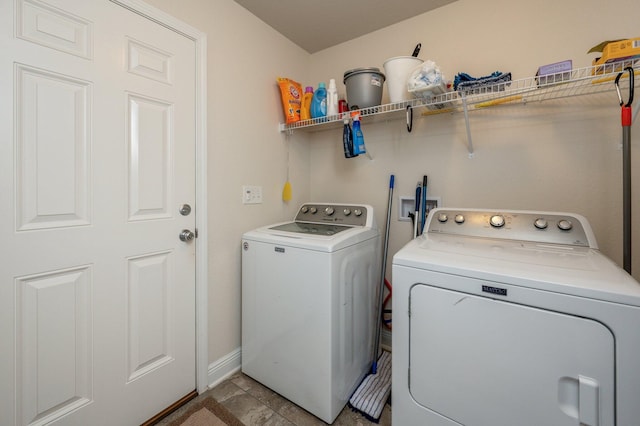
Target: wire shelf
577 82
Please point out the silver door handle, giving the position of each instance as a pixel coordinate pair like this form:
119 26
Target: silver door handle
187 235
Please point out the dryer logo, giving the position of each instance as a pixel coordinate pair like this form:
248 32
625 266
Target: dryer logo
494 290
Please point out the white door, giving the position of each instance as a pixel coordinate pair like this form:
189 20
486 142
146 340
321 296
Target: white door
97 292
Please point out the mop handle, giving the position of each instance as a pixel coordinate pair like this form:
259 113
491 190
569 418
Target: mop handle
374 367
417 211
626 118
424 203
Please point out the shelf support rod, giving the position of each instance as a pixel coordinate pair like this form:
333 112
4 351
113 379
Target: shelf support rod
465 107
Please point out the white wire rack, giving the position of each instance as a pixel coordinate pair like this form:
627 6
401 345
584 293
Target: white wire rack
577 82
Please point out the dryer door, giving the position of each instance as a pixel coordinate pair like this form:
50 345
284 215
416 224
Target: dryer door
480 361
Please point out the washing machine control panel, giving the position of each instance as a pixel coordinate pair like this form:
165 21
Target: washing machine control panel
541 227
338 214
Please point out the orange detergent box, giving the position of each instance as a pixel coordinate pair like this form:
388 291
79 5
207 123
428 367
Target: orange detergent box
627 52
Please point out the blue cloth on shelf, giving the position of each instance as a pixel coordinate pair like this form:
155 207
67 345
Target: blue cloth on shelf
463 82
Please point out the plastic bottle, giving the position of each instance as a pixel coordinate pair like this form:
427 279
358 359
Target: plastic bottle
319 102
305 108
347 140
332 98
358 138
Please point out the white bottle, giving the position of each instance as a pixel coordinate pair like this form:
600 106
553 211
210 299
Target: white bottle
332 98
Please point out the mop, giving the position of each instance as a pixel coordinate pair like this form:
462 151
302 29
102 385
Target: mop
372 394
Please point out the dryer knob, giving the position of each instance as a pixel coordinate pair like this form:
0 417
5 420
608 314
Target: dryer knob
565 225
459 218
357 212
497 221
329 211
304 209
313 210
442 218
346 212
540 223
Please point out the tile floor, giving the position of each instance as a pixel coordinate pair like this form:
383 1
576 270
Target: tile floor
255 404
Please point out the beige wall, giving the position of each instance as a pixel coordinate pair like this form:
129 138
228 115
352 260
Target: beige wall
560 155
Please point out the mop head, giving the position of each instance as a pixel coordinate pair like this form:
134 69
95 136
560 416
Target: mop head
372 394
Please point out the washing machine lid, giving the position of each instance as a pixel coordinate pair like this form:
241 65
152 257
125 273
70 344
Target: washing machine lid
284 234
310 228
322 227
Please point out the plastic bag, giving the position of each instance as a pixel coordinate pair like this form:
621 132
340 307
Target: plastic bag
426 81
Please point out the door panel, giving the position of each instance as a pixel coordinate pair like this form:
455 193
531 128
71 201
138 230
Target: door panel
52 148
481 361
54 343
97 293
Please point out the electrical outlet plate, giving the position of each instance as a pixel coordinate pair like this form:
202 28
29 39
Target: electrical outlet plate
408 205
251 194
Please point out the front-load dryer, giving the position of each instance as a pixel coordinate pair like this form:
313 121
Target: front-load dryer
504 318
309 290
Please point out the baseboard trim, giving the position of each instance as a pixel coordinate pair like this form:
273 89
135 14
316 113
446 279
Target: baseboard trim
224 367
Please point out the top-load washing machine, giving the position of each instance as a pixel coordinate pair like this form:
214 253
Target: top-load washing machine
505 318
309 291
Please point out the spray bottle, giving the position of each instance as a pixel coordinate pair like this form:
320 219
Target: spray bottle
347 140
358 138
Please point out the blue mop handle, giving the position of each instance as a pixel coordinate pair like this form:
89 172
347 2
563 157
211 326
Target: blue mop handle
416 212
424 202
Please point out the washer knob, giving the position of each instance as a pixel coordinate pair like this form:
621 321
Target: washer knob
329 211
357 212
304 209
565 225
313 210
442 218
540 223
346 212
459 218
497 221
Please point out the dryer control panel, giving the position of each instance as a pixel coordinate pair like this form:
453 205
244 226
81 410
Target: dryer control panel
338 214
542 227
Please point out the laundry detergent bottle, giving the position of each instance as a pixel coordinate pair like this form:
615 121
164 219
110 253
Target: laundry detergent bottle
358 138
305 108
319 102
332 98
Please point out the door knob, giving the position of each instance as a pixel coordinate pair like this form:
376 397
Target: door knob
187 235
185 209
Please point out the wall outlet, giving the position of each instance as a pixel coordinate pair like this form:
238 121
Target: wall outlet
251 194
408 205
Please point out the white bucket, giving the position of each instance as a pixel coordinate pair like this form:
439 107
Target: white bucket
397 71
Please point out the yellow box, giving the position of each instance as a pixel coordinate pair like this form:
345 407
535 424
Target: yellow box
621 49
624 51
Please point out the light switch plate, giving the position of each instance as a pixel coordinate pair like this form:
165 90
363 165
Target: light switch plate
251 194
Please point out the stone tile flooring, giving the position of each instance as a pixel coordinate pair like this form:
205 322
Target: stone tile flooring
255 404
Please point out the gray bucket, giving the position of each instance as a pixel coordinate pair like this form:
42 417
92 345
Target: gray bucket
364 87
